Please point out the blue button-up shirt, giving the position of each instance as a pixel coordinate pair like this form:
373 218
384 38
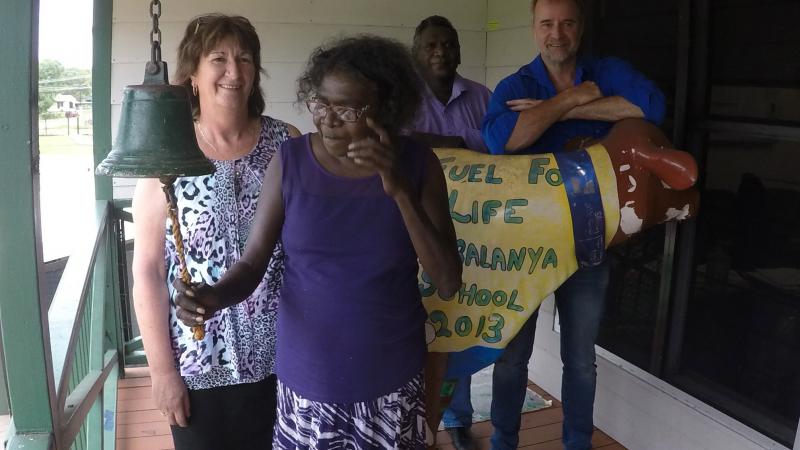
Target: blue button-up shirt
612 75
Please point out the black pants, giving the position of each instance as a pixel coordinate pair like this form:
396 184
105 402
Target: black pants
239 417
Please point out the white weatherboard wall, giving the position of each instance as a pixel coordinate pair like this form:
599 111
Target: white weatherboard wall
509 43
637 409
289 30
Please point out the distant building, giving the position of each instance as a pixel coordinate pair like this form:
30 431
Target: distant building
64 103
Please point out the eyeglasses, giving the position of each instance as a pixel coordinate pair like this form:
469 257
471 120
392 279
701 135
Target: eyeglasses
345 113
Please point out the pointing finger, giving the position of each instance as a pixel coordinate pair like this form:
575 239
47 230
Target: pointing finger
379 130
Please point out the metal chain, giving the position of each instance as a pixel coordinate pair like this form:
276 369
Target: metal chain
155 33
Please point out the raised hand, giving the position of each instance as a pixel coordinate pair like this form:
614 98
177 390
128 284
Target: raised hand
379 155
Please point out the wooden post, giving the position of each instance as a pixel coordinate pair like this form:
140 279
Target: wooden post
24 317
101 93
103 190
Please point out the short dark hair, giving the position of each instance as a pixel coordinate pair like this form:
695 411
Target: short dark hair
205 32
580 4
384 63
432 21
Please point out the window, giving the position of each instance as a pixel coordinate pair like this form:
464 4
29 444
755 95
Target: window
725 327
742 337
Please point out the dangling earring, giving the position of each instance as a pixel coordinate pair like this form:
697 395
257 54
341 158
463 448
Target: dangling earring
194 90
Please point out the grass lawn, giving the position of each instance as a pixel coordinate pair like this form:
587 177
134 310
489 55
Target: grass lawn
65 145
66 189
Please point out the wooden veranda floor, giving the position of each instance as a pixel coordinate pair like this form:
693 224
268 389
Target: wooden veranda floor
141 427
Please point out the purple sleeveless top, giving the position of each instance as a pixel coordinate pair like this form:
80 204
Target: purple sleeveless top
351 321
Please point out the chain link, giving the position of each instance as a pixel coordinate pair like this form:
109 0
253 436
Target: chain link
155 33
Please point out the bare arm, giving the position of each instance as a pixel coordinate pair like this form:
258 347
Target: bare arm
607 109
151 300
293 131
431 229
534 121
243 277
199 302
425 214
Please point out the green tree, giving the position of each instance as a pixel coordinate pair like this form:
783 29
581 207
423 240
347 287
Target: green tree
54 79
49 70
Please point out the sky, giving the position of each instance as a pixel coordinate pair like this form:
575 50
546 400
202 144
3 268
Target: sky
65 32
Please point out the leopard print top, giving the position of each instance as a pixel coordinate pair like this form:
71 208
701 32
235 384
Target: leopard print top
216 212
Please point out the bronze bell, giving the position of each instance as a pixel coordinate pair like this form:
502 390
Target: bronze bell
156 136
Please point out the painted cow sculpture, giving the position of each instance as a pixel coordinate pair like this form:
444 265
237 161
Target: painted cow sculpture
502 206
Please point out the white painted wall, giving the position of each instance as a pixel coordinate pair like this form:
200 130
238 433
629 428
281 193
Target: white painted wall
289 30
509 43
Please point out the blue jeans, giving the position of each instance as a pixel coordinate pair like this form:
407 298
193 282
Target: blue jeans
580 302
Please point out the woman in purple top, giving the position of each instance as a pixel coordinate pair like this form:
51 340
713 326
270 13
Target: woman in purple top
356 206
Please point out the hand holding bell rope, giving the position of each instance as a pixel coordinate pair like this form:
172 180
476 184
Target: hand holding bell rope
198 331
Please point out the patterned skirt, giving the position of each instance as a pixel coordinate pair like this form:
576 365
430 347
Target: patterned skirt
392 421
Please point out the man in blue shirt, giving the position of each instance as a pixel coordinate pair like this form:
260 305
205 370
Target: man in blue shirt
549 104
559 96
